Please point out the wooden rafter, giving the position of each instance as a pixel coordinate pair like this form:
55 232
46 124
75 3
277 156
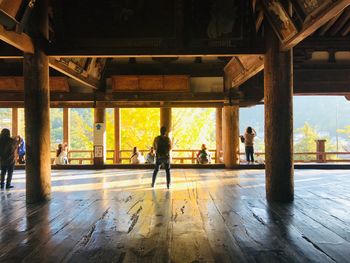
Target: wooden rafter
18 40
345 16
72 74
241 68
328 25
259 20
11 7
315 22
346 29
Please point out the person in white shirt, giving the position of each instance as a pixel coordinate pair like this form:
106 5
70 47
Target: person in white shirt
62 154
249 144
151 156
136 157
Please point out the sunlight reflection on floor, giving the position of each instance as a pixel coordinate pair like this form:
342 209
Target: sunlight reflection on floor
140 180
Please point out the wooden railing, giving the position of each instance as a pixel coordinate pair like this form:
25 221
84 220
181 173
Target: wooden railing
311 157
189 156
86 156
178 156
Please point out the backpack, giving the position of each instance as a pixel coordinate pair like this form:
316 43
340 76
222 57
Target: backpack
163 146
204 155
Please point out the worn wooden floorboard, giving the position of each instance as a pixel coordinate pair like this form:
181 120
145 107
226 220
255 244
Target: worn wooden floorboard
206 216
258 236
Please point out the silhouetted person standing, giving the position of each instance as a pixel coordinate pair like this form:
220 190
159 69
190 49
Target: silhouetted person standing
162 146
8 148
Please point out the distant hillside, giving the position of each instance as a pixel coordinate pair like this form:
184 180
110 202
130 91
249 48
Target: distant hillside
319 111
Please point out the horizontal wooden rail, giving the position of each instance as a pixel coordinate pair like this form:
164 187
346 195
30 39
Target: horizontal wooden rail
189 156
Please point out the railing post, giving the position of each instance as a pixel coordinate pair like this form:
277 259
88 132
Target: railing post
193 160
99 137
15 122
321 151
218 134
117 138
66 126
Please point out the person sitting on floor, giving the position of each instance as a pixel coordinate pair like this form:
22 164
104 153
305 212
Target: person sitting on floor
21 150
151 156
62 154
203 156
136 157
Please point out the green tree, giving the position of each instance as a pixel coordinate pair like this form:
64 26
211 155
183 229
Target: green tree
56 124
306 142
110 133
139 126
5 118
81 131
193 127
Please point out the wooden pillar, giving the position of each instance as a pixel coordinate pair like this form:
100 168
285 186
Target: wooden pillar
230 135
99 137
165 120
14 131
117 138
321 149
66 126
37 109
278 99
218 134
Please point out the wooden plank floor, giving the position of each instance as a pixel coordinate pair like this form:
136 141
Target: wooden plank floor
207 216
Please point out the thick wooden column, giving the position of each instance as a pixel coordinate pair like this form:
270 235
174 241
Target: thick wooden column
165 120
218 134
99 136
37 109
66 126
230 135
117 138
14 131
278 99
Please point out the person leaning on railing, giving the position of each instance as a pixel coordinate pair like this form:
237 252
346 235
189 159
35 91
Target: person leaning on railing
248 140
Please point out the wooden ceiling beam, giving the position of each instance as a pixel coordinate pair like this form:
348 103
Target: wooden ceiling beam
109 51
333 81
310 80
338 25
315 22
346 29
328 25
259 20
241 68
72 74
158 96
11 7
16 84
183 97
205 69
18 40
